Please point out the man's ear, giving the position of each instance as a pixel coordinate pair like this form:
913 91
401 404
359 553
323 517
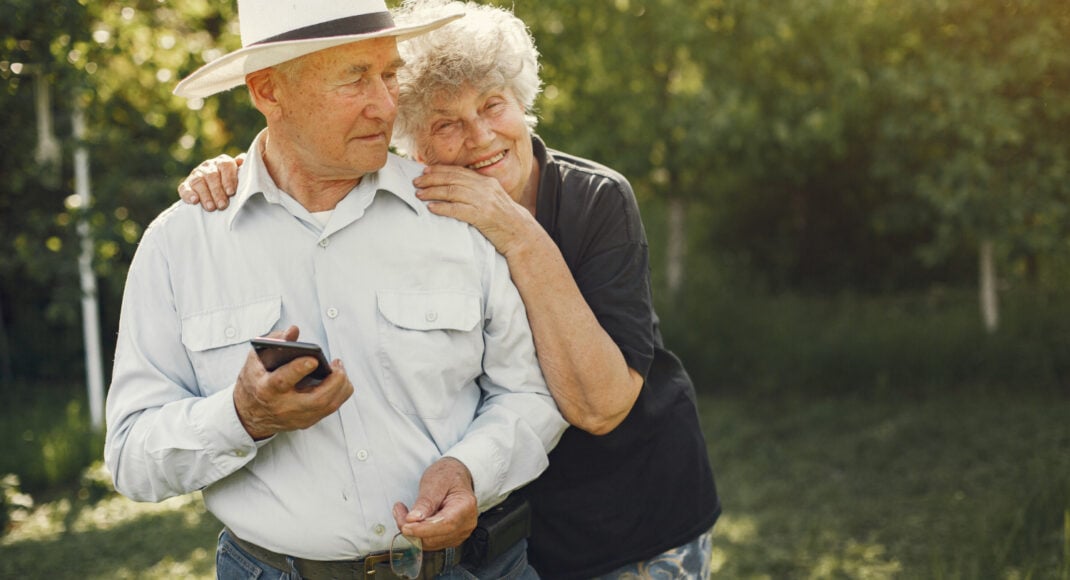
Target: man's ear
263 89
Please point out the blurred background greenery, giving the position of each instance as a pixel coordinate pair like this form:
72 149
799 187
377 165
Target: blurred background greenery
833 190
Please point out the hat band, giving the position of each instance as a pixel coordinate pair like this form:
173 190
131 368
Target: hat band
361 24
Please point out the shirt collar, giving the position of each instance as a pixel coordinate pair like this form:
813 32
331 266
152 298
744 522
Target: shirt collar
253 179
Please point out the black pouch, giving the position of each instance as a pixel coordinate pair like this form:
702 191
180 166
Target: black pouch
498 529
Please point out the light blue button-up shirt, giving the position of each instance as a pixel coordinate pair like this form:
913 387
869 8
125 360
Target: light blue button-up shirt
419 308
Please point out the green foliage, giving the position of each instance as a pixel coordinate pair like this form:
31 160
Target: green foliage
853 343
835 147
857 144
47 437
119 61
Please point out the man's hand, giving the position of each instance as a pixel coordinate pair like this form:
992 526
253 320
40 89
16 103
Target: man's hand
268 402
445 511
212 182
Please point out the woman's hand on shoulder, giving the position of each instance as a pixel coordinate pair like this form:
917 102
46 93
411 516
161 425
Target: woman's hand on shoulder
212 183
479 200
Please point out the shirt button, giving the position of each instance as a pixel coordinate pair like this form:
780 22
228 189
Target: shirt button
325 242
431 316
332 312
239 453
379 529
362 455
230 332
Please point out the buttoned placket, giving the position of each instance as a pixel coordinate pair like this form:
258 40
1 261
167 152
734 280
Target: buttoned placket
359 443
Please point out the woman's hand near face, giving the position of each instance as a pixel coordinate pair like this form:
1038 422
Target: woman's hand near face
212 182
585 370
463 194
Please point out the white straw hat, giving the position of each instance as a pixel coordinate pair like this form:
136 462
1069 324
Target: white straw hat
275 31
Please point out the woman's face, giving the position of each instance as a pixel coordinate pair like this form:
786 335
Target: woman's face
483 131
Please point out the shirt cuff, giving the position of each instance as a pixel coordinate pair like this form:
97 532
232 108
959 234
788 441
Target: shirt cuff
221 430
486 466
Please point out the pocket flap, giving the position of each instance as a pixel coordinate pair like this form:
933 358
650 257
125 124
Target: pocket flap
231 325
430 310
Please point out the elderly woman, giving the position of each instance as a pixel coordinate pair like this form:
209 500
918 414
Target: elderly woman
629 491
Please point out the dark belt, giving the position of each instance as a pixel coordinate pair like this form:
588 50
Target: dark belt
498 529
375 566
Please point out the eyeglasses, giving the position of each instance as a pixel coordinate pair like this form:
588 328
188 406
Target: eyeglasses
406 556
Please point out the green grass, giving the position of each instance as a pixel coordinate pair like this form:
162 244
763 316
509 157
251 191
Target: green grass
959 485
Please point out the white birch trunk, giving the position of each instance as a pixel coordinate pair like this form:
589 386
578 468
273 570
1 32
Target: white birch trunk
94 372
676 246
989 299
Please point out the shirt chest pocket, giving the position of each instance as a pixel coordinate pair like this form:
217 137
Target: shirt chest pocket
430 349
218 340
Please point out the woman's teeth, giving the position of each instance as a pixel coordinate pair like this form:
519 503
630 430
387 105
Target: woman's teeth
487 162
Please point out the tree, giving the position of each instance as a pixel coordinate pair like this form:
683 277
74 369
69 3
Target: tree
979 123
120 60
624 81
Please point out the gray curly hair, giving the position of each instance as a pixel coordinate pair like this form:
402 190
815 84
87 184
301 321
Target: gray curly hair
490 47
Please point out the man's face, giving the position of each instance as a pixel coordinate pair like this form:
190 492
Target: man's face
484 131
337 108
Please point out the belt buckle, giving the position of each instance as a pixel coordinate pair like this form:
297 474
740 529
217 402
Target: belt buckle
371 561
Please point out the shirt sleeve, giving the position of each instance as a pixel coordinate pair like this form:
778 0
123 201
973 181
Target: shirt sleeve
164 438
517 423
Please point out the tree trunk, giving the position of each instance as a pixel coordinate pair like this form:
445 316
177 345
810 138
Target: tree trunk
6 376
676 251
48 151
94 369
989 299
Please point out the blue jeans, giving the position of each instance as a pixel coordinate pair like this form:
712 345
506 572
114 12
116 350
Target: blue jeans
233 563
690 561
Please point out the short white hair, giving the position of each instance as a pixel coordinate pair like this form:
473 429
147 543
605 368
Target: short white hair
488 48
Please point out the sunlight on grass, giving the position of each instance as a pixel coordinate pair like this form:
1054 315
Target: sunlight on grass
859 560
52 520
114 538
192 568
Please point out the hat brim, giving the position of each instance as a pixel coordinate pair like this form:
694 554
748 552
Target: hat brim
228 71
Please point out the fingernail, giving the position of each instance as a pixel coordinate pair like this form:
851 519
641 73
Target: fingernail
417 514
209 205
309 365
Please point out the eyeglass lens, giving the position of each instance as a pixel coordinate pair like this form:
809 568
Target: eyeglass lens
406 556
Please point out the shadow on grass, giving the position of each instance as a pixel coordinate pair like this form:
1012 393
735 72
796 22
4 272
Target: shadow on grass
951 485
111 540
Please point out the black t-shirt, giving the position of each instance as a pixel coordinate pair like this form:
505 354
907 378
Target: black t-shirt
606 501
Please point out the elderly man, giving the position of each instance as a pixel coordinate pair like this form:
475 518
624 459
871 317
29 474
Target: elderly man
440 404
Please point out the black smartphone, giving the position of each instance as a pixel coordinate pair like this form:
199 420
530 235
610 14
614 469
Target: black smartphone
274 353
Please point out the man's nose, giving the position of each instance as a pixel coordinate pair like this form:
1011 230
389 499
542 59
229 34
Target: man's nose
383 101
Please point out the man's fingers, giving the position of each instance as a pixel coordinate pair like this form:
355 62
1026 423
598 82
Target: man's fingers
400 511
422 508
290 333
